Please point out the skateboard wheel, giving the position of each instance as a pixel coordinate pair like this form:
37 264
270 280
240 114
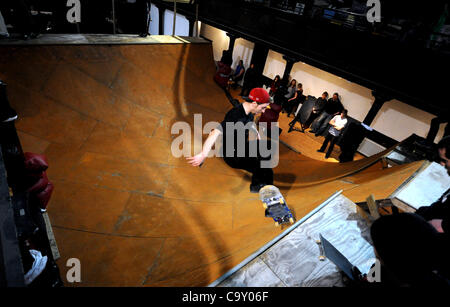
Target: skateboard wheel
277 224
281 201
291 220
265 205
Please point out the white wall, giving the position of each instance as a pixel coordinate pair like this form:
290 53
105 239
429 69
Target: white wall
243 50
181 24
274 65
357 99
399 120
154 21
395 119
219 39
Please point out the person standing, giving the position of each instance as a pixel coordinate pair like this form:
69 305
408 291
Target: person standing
337 124
294 102
290 92
250 80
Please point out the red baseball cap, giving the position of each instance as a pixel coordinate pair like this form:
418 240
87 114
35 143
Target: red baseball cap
259 95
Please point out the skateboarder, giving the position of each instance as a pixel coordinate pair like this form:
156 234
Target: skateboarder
243 113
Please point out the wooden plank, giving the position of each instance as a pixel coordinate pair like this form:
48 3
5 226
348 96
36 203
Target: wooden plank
384 162
51 237
371 203
402 206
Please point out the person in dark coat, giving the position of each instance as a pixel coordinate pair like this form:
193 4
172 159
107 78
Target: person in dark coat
319 106
293 103
250 81
271 115
410 251
243 114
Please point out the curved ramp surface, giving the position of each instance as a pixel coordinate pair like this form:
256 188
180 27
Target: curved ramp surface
130 211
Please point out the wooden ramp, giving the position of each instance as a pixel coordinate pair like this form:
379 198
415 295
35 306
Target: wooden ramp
101 109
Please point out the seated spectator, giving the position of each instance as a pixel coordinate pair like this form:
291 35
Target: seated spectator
438 213
319 106
290 93
293 103
331 109
337 124
237 75
274 86
223 74
410 251
316 111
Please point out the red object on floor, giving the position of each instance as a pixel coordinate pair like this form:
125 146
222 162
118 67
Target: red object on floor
35 162
39 184
44 197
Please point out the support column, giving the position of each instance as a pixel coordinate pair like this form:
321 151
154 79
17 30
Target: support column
259 57
191 26
232 41
290 61
160 19
380 99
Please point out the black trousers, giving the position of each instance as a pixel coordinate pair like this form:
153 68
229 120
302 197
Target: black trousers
252 165
329 139
310 119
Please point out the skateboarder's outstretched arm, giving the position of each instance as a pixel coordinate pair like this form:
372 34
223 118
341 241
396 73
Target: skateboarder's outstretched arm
197 160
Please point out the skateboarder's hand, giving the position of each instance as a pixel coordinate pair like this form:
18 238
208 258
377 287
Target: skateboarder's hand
196 160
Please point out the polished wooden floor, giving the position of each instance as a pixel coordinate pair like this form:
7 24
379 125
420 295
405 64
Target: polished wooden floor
123 204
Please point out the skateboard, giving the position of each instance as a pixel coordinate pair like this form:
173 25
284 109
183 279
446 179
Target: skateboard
275 205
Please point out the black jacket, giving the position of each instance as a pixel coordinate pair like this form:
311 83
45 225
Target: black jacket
319 105
333 107
438 210
250 78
